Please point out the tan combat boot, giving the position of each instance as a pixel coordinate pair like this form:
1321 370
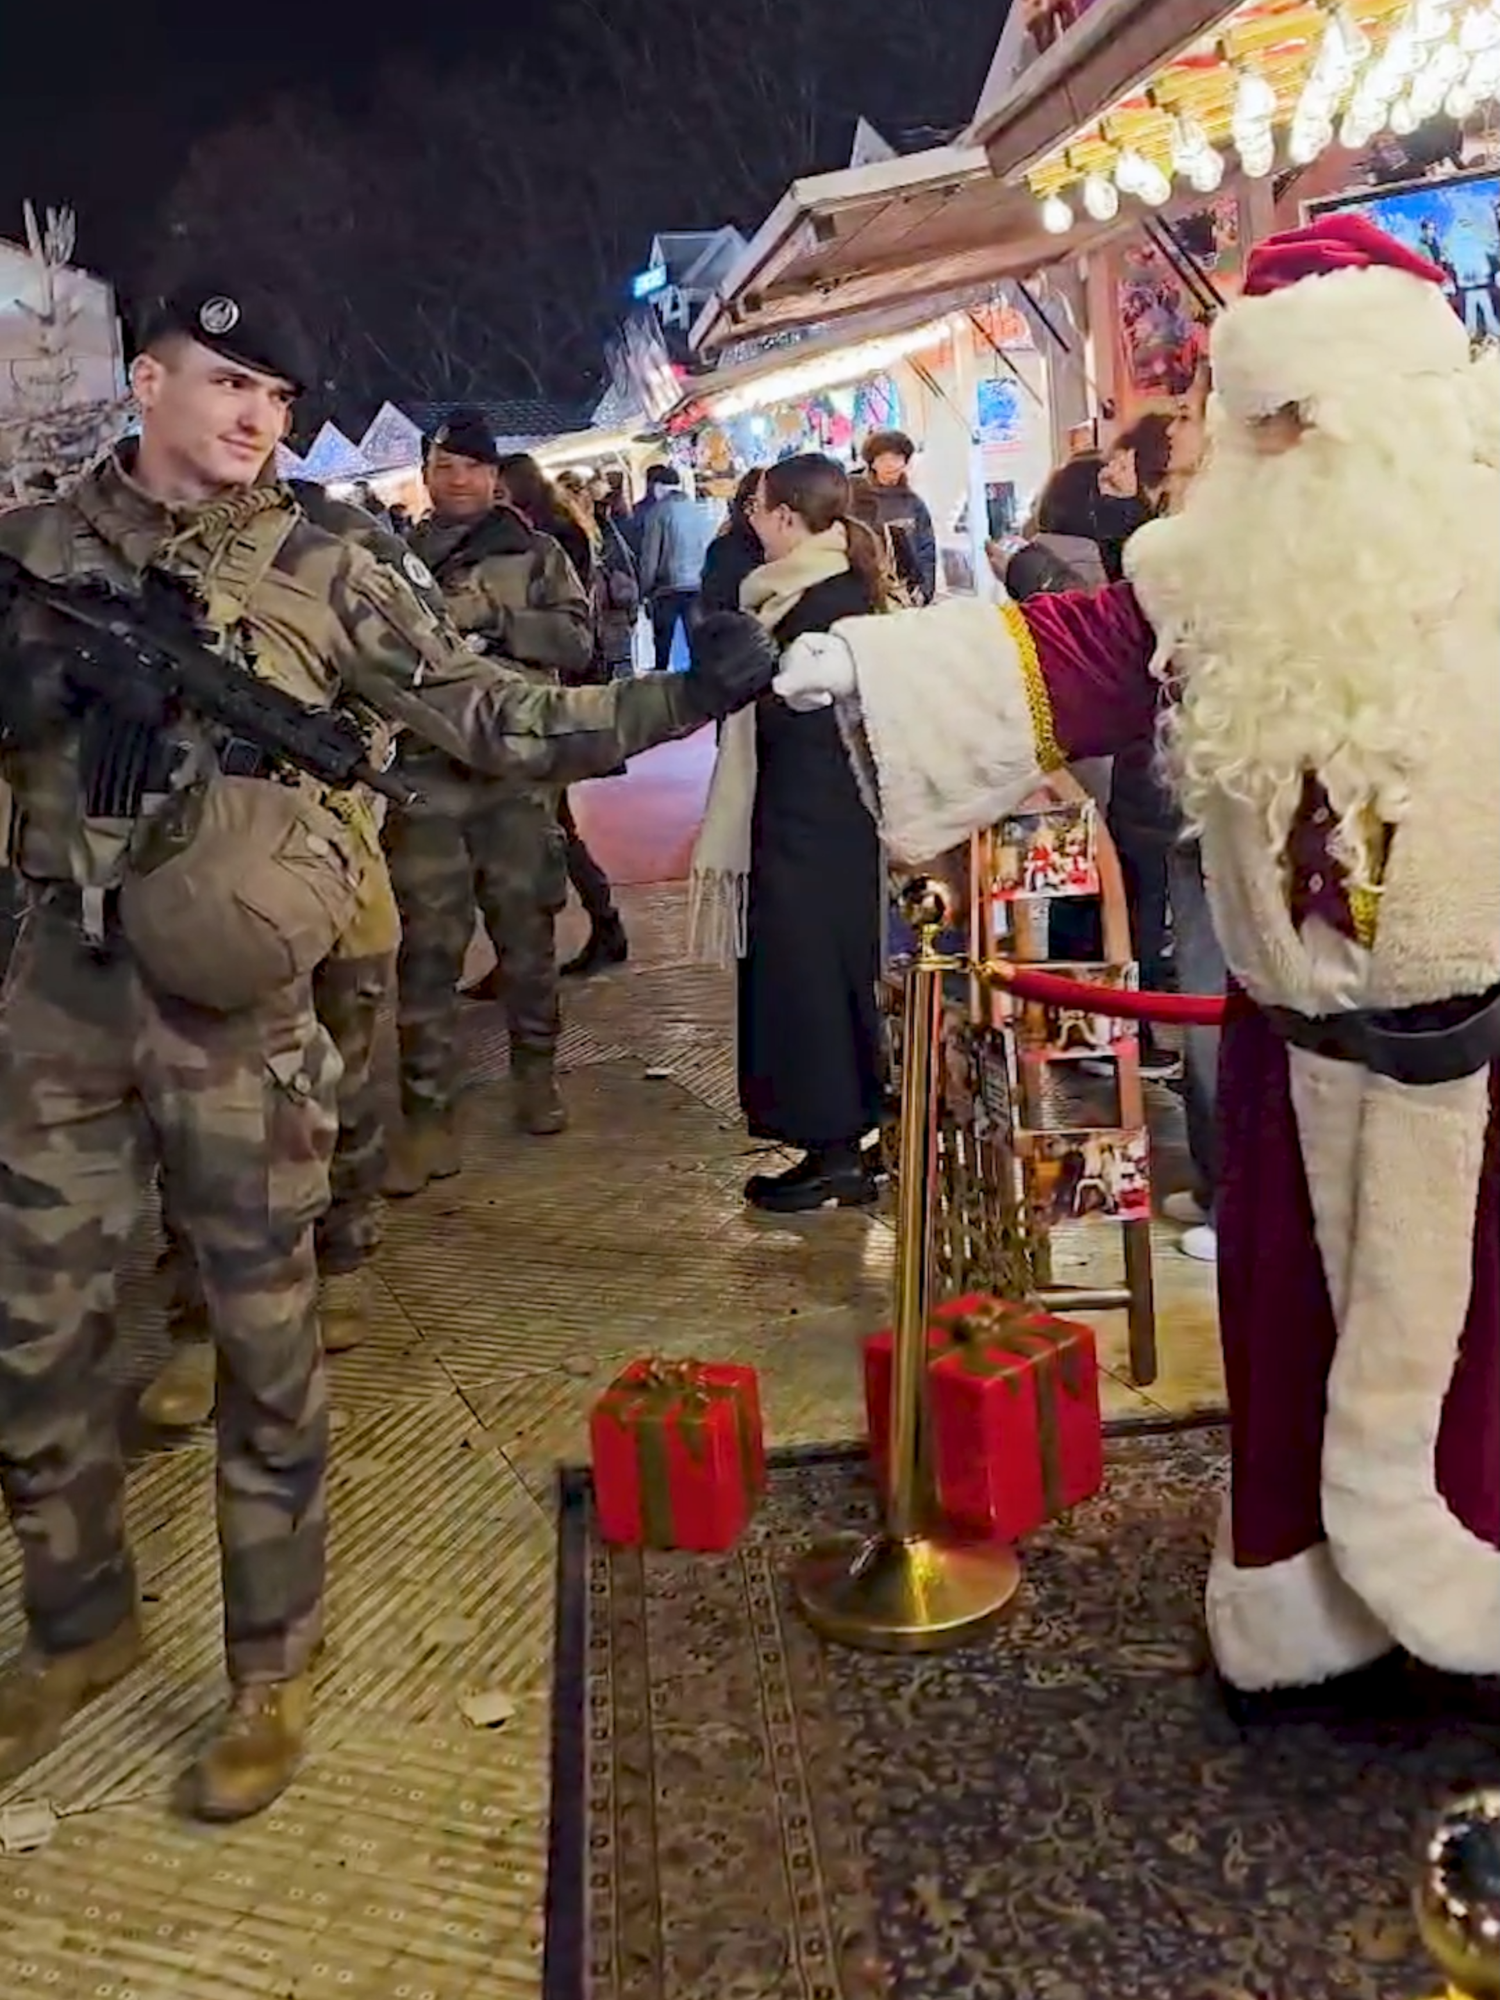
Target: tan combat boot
538 1107
41 1693
426 1149
182 1394
256 1753
344 1309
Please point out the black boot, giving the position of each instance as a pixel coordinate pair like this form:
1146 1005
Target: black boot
607 945
835 1176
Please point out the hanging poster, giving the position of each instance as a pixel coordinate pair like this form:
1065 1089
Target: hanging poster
1161 334
1001 416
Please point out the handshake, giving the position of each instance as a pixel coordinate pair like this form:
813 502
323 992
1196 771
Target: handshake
735 660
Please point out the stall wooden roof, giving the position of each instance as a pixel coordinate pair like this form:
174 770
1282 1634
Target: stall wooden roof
927 227
1118 46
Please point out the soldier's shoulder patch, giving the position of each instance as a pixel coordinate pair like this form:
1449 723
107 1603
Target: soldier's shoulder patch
417 572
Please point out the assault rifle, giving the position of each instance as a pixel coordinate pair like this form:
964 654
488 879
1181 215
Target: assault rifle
147 659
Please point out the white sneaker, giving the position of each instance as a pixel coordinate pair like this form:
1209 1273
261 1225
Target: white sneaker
1201 1244
1184 1208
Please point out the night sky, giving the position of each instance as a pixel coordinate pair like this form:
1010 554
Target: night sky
99 113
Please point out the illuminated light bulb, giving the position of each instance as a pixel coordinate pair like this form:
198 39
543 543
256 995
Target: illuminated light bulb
1257 154
1430 20
1354 132
1254 99
1057 217
1460 102
1101 198
1189 143
1484 74
1400 56
1446 65
1309 137
1206 174
1129 168
1426 96
1479 30
1154 187
1404 120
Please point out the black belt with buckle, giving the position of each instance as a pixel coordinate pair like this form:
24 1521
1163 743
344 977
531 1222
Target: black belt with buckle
1421 1045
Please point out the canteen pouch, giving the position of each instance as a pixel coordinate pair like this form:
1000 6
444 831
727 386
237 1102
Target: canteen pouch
236 888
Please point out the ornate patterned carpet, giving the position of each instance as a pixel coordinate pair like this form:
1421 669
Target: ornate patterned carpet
1065 1813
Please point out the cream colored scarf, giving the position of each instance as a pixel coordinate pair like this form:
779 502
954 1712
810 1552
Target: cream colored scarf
718 896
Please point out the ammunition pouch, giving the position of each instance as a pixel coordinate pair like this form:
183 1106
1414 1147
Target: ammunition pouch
236 888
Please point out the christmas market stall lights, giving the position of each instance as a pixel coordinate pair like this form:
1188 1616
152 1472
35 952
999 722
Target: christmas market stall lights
1274 84
802 379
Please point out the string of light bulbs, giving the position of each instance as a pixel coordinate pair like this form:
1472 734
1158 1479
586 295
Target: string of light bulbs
1360 77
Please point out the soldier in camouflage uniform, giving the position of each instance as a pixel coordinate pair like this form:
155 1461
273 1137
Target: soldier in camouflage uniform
107 1063
512 592
349 991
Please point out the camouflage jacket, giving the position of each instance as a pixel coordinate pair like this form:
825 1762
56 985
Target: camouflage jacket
323 619
514 595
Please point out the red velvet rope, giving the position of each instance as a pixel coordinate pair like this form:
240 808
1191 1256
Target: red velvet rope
1184 1010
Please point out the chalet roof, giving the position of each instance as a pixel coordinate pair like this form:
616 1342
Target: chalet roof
333 456
517 423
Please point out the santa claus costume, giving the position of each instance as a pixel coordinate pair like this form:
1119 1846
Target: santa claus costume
1316 636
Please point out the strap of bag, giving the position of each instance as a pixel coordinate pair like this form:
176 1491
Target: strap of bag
237 569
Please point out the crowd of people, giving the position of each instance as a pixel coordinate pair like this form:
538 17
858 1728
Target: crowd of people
214 921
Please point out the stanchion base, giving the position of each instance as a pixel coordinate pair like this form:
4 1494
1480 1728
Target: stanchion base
887 1596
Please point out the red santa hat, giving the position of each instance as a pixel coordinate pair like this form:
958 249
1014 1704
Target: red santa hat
1335 309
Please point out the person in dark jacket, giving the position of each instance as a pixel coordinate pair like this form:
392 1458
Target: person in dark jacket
900 511
525 487
787 872
532 494
734 552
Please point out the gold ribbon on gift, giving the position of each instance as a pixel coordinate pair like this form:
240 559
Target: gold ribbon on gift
646 1404
989 1339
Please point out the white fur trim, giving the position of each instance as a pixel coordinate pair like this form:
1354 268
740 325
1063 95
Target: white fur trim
1326 341
949 743
1405 1265
1286 1624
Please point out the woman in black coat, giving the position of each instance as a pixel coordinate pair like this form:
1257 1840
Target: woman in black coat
733 553
809 1027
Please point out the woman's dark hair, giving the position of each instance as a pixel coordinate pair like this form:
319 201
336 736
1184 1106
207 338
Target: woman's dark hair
817 491
532 493
739 506
1150 438
1069 501
882 444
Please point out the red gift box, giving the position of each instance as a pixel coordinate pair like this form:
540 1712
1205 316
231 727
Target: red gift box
878 1352
1016 1435
678 1454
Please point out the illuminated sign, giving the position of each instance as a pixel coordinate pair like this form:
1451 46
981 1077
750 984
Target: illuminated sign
646 284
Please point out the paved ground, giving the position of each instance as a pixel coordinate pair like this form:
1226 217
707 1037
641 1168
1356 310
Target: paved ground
409 1862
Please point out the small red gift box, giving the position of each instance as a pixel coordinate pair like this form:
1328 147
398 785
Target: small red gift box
678 1454
878 1352
1016 1435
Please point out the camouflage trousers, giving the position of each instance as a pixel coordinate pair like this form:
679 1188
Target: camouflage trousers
508 855
101 1080
348 995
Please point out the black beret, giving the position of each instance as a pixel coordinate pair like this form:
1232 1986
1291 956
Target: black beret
467 434
249 327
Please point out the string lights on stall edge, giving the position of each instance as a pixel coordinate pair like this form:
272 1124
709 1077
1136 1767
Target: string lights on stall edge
1333 70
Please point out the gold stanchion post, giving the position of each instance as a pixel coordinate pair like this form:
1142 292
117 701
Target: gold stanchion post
910 1588
1458 1896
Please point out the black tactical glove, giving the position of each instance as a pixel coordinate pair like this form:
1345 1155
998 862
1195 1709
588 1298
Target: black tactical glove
734 660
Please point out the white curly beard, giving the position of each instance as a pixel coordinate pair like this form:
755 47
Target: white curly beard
1301 602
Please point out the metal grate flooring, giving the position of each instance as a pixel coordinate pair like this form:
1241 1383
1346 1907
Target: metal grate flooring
409 1861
